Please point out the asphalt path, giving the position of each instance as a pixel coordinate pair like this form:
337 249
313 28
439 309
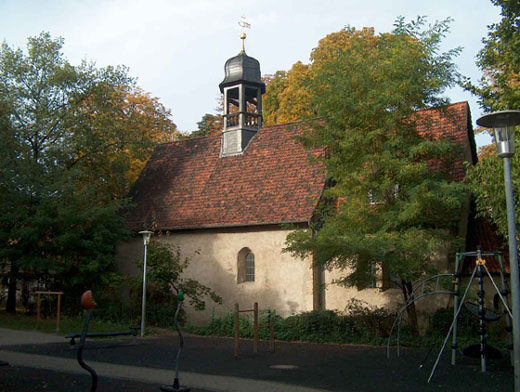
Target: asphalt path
207 364
27 379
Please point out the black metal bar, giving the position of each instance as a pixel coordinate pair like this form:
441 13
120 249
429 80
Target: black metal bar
451 326
481 314
456 288
93 375
176 387
73 336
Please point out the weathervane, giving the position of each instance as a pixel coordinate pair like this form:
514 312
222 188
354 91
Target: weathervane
242 23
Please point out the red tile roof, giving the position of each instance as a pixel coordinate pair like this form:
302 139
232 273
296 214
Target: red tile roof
484 234
186 185
454 123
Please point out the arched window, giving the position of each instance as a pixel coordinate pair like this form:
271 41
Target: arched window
250 267
245 266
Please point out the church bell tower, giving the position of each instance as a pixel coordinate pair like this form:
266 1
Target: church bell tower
242 88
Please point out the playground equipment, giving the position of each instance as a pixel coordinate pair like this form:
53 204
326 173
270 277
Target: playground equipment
176 387
425 288
256 327
88 303
38 306
131 332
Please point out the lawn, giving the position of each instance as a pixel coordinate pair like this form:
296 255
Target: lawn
22 321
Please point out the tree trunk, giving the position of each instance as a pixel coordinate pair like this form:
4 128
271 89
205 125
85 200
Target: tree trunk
406 287
10 306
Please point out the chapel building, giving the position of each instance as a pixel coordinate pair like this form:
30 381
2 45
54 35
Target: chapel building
226 200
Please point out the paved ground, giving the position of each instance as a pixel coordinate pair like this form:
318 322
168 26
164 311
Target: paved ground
26 379
207 365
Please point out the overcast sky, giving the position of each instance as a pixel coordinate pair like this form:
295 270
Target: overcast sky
177 49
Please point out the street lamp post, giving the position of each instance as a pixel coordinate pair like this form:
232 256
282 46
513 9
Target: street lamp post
503 124
146 239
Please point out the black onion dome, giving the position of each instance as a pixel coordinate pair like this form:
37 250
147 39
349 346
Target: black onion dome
242 69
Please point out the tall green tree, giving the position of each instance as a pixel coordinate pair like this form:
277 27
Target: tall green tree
275 85
384 205
499 60
499 89
71 137
210 124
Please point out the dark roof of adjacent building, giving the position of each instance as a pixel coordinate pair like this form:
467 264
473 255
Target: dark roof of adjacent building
187 185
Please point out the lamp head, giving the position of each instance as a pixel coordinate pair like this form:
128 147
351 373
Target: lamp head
146 236
503 124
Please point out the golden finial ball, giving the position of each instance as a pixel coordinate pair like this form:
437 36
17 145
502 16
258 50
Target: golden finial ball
243 36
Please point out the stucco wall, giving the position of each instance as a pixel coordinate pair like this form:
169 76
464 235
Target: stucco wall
281 281
337 297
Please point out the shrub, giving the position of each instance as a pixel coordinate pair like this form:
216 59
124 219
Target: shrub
361 325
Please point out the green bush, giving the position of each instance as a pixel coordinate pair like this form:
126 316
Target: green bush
361 325
467 328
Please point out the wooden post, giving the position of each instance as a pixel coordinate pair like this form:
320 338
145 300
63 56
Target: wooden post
38 306
255 328
271 327
237 329
38 312
58 314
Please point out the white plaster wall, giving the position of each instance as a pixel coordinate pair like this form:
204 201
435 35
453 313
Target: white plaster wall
337 297
281 282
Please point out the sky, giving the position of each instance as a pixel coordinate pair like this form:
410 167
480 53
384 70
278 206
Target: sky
177 49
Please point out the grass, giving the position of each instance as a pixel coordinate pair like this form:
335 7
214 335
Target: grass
21 321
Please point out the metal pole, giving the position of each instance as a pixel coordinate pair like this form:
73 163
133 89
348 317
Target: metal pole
143 306
451 326
513 268
481 314
456 293
271 328
237 329
38 301
58 314
505 292
255 328
93 374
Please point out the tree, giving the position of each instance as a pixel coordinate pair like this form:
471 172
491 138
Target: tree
166 272
499 61
117 129
383 205
275 85
499 89
287 96
75 138
210 124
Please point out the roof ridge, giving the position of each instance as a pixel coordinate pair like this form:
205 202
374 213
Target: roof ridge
460 103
